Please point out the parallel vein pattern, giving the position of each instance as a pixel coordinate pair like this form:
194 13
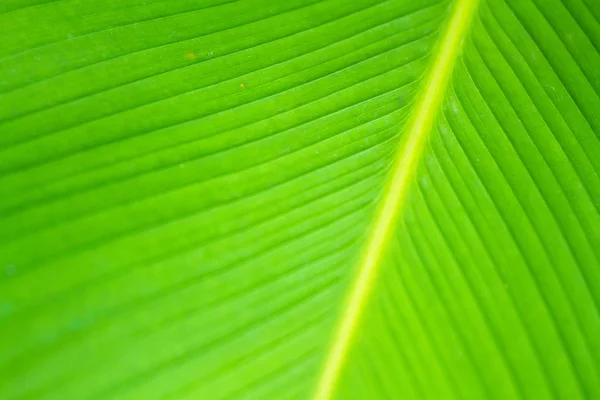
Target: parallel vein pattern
491 289
392 200
183 183
187 186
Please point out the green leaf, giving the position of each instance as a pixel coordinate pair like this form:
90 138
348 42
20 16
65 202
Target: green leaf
300 199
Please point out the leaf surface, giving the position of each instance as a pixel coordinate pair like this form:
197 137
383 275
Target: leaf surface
193 194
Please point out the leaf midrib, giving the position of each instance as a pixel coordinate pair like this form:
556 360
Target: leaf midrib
392 200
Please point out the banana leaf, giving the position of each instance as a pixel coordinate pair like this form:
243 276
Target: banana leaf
300 199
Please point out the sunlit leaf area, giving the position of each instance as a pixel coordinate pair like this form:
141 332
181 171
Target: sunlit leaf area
299 199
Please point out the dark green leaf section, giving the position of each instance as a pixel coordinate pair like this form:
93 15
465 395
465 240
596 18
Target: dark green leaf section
184 187
492 289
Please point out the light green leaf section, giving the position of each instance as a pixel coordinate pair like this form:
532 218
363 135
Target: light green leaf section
187 189
492 287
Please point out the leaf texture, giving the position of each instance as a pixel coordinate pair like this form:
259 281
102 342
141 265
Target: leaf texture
491 287
187 190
